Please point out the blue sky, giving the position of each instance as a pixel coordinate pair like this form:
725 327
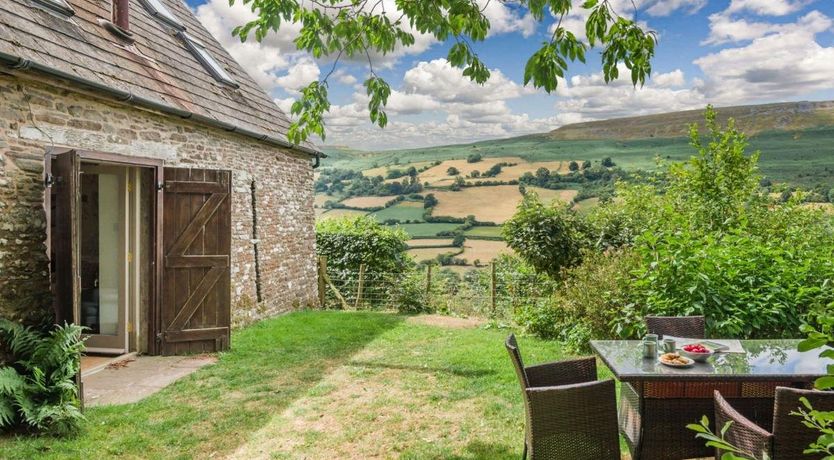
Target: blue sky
724 52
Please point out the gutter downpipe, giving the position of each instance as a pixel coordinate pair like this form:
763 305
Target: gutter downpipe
19 63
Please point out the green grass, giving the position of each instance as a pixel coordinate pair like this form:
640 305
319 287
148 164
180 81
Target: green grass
427 230
324 385
486 231
214 410
407 210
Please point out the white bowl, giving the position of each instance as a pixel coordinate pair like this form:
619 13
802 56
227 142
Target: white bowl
699 357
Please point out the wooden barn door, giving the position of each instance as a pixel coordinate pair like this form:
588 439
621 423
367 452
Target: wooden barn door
196 299
64 235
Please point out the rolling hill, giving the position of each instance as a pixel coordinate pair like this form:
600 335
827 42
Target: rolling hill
751 119
796 141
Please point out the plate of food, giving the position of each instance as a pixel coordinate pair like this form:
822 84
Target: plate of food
676 360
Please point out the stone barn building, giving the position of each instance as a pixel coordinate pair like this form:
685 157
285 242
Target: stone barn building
147 188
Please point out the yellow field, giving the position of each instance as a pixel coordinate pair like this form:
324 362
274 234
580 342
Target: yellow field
429 242
437 175
483 250
383 170
368 201
487 204
321 198
333 213
548 195
421 254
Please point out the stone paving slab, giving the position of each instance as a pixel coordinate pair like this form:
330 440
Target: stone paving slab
139 377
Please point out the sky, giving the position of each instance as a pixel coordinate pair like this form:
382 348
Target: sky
723 52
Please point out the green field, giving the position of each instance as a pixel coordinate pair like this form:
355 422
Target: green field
490 232
406 210
804 158
427 230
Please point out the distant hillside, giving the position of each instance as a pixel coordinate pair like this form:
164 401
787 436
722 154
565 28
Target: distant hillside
752 119
796 141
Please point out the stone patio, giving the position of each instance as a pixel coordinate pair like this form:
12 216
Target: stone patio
137 377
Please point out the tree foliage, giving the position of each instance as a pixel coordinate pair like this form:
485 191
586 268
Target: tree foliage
358 29
548 237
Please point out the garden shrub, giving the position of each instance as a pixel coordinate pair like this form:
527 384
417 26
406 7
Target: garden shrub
348 243
595 301
352 241
700 237
549 237
37 379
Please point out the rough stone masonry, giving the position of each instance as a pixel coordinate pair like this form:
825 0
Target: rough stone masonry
35 115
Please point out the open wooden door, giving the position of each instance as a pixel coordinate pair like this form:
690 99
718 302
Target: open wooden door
65 243
196 291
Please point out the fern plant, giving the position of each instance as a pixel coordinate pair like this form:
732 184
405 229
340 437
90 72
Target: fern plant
38 391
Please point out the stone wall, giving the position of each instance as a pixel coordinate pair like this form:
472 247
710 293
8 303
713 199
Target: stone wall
35 115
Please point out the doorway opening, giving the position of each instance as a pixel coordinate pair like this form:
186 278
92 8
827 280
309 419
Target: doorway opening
102 216
111 224
140 253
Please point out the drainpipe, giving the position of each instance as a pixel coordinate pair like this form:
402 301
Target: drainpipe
21 64
318 161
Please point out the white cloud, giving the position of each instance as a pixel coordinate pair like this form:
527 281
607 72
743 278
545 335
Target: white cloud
671 79
446 83
299 75
667 7
588 97
767 7
503 19
786 63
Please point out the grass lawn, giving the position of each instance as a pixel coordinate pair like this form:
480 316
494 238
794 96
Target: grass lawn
405 210
323 385
492 232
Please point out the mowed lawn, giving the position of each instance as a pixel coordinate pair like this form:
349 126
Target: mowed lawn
324 385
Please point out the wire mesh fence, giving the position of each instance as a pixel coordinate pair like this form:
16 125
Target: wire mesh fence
488 292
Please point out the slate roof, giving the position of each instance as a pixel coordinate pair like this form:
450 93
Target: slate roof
157 67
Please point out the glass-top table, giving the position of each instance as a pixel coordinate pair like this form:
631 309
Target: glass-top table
657 401
762 360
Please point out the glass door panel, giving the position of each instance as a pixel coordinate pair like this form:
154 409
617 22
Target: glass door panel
102 216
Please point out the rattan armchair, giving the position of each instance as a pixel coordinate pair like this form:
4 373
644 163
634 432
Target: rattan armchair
788 437
570 415
677 326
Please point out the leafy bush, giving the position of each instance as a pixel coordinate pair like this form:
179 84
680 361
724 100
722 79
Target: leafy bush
700 237
593 301
350 242
37 383
548 237
473 158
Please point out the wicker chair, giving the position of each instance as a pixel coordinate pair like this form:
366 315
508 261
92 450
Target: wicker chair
570 415
789 436
677 326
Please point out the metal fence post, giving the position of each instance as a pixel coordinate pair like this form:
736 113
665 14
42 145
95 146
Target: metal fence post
322 277
492 286
360 287
428 284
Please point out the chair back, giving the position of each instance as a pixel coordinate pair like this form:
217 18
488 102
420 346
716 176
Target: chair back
677 326
515 356
790 436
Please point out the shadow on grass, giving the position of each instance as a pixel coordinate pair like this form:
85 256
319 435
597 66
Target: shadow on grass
469 373
271 364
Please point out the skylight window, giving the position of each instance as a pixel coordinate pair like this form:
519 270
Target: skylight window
57 6
158 10
214 68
